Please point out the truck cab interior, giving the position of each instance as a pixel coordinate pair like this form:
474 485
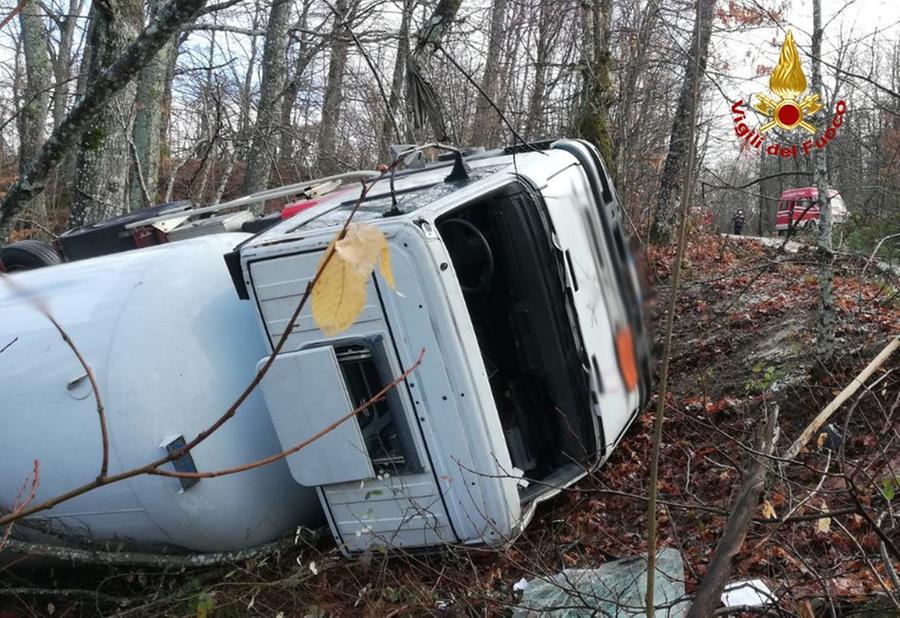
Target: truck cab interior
513 280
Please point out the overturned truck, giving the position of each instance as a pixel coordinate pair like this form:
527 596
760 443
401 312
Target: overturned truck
513 273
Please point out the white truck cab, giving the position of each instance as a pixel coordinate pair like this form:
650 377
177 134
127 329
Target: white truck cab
514 275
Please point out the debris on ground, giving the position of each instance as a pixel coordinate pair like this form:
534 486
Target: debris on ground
616 588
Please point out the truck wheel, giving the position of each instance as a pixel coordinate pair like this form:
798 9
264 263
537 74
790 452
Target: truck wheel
27 255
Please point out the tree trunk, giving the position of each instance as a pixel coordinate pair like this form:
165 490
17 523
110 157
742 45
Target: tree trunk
147 132
487 122
387 127
667 199
597 95
305 54
36 95
96 99
274 76
826 310
62 66
629 126
103 159
534 123
424 105
327 162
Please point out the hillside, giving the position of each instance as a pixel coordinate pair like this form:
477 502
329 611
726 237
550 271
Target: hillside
743 342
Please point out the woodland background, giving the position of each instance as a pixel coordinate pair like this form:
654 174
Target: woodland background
254 93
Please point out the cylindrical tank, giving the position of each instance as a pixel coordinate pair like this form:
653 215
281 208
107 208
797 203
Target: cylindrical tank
171 347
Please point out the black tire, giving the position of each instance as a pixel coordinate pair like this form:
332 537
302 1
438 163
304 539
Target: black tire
28 255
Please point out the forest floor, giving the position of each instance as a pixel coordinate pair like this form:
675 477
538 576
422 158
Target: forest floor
743 342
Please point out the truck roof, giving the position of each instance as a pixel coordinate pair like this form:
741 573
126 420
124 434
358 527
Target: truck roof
416 193
802 192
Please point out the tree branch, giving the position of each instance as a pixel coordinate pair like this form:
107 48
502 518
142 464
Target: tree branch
707 597
135 57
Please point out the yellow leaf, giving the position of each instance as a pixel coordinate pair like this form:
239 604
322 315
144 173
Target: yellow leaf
339 295
360 247
823 524
768 511
384 265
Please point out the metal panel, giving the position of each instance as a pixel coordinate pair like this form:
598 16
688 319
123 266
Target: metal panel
397 511
305 393
279 285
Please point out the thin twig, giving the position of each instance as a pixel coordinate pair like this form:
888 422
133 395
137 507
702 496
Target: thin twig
667 337
7 346
101 413
12 14
22 502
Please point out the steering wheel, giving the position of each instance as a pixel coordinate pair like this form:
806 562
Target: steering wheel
461 241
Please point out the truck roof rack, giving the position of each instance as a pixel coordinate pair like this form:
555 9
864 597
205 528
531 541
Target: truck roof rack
258 197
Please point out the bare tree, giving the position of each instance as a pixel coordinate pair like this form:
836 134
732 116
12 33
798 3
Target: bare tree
62 57
103 158
826 310
667 199
326 161
82 117
597 95
397 78
36 95
486 123
148 118
306 51
271 90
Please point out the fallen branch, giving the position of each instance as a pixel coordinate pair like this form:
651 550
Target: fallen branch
845 394
708 595
87 556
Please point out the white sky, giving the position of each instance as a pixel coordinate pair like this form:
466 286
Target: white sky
855 26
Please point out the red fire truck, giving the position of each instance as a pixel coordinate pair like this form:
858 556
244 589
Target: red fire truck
798 207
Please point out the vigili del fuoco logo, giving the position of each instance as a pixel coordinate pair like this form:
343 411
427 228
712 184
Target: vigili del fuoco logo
789 108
